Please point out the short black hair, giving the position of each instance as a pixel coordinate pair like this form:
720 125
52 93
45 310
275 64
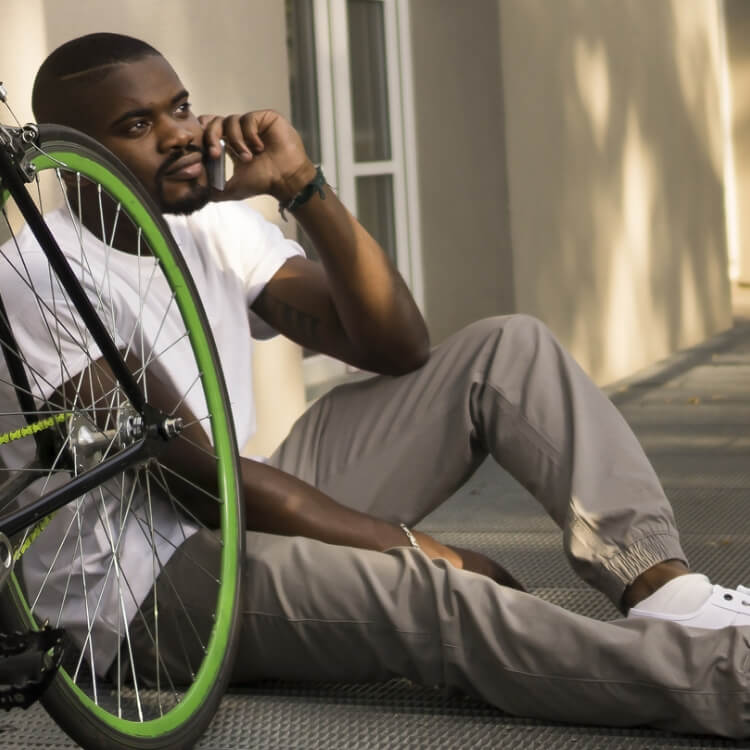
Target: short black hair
84 60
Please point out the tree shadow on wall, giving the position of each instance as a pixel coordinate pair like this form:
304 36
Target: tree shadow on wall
632 193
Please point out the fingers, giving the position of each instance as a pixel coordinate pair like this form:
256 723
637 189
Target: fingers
479 563
505 578
242 133
434 549
212 131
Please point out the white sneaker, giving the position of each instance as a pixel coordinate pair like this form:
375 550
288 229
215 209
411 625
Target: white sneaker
723 608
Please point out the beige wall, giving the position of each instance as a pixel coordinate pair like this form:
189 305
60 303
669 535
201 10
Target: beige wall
571 166
230 54
738 41
615 171
468 269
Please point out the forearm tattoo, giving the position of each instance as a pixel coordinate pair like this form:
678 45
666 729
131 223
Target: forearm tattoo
299 325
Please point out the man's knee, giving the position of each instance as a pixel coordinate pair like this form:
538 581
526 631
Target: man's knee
519 330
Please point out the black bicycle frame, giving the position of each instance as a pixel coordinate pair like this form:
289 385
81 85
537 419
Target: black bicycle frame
11 180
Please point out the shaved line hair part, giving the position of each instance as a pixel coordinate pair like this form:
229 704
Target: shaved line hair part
74 66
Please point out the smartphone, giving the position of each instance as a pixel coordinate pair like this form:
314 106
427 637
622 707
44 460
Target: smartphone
216 168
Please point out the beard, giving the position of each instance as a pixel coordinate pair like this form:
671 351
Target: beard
194 200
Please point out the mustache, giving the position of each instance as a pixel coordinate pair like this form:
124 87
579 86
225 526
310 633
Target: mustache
176 156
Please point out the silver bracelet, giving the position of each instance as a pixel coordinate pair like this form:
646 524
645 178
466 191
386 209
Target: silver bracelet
412 539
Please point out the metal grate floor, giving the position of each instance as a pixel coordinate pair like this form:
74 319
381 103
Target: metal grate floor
692 414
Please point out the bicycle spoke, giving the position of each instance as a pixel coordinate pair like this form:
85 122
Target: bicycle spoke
192 484
154 575
177 505
197 421
182 437
89 621
150 358
185 395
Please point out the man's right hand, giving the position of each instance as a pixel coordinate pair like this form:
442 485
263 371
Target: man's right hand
267 152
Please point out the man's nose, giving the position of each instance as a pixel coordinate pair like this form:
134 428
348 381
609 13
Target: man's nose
175 136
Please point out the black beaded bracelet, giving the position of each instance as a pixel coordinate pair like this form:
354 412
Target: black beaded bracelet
314 186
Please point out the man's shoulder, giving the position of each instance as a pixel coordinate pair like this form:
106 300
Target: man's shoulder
25 243
22 252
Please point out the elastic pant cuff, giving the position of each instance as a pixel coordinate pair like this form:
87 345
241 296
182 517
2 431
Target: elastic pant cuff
625 567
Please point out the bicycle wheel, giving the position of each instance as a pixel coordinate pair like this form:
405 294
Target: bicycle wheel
92 567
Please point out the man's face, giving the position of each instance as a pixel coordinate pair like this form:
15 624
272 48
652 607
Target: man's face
141 112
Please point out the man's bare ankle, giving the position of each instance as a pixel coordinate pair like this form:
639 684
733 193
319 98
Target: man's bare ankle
651 580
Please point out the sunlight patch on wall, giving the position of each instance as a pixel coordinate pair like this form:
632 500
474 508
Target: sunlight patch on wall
639 181
731 196
593 81
691 315
698 57
629 303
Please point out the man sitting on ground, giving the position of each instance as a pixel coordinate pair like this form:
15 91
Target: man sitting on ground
337 585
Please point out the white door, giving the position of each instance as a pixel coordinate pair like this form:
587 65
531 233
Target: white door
351 90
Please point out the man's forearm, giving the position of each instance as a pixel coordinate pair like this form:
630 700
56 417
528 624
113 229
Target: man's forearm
279 503
372 300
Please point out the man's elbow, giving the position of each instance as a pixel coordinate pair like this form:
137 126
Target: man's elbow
410 358
419 355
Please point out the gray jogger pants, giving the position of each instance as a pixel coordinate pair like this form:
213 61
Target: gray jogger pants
396 448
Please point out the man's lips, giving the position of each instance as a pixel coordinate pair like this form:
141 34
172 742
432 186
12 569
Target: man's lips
187 168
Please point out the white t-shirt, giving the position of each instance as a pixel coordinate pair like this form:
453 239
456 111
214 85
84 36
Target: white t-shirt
232 252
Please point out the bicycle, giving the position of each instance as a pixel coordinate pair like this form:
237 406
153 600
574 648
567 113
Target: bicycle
84 452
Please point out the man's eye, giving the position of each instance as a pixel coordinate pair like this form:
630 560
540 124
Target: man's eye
184 108
138 127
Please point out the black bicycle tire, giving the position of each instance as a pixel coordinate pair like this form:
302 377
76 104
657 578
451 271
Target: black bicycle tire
61 702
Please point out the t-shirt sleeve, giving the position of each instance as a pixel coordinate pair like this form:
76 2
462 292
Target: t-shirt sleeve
254 249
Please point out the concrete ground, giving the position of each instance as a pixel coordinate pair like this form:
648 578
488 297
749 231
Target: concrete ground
692 415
